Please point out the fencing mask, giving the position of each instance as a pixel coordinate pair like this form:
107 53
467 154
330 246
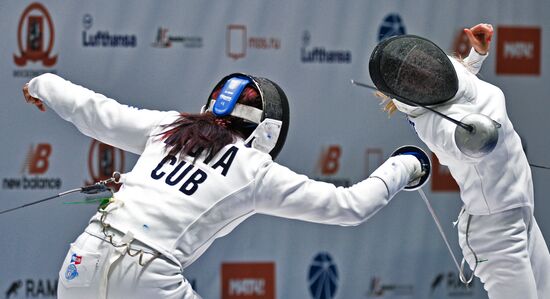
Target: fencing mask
413 70
271 121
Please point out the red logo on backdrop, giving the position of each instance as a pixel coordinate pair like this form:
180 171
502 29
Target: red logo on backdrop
329 161
248 281
32 42
236 41
37 160
442 180
518 50
461 45
103 160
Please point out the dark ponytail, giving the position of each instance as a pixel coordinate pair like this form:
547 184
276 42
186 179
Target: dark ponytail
205 133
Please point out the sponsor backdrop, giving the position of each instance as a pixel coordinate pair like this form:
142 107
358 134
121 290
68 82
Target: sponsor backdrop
168 56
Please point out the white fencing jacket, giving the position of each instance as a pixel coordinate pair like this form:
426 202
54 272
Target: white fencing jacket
496 182
179 207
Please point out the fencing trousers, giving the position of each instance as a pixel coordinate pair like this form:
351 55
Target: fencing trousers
512 258
94 268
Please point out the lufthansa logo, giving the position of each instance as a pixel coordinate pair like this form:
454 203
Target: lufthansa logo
87 21
34 47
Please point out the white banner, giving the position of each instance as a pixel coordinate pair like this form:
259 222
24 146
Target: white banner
167 55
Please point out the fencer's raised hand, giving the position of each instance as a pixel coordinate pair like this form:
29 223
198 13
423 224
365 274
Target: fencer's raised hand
480 37
32 100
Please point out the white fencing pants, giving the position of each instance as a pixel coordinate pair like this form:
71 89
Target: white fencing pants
93 268
513 261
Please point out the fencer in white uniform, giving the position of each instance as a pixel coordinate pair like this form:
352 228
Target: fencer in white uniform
170 209
498 234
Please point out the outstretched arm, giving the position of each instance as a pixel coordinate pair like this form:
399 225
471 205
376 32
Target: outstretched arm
284 193
94 114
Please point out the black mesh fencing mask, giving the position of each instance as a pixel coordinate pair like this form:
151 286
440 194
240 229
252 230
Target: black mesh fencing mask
413 70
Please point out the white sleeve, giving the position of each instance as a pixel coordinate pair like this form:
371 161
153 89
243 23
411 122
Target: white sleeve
284 193
95 115
474 60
